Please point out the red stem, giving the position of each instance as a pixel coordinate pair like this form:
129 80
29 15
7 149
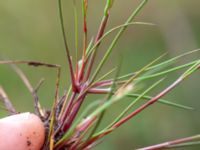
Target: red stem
82 128
66 47
68 107
74 108
73 114
94 139
137 111
104 83
149 103
99 35
85 31
99 91
168 144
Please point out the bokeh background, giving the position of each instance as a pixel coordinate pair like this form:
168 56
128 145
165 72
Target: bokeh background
30 30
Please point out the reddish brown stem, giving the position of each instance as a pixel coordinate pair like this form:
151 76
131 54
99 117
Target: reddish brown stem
94 139
85 31
99 35
99 91
82 128
170 143
73 114
137 111
149 103
66 47
68 107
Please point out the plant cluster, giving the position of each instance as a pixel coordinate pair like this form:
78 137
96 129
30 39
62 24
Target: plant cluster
65 129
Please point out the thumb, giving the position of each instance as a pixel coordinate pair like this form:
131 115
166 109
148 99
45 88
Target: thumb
23 131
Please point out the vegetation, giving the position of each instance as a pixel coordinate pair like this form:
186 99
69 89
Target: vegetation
68 130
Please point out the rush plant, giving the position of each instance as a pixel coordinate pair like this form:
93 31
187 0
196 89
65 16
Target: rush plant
65 129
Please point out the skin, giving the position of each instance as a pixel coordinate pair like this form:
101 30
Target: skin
23 131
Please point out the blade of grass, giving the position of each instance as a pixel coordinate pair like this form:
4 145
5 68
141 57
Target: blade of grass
105 75
81 117
125 85
175 143
134 102
85 40
109 4
147 104
65 103
164 64
72 129
163 101
166 71
66 45
89 46
109 96
100 33
97 111
140 72
76 28
85 29
158 96
108 52
170 61
114 29
184 145
52 119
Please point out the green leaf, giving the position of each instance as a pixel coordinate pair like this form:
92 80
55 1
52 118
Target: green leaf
76 28
115 40
114 29
163 101
109 4
184 145
167 71
134 102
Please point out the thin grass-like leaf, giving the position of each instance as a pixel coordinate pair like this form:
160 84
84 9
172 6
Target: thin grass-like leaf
66 45
191 70
81 117
100 33
108 52
89 46
166 71
109 4
134 102
76 28
178 143
161 94
109 96
161 66
163 101
85 28
184 145
105 75
141 71
170 61
147 104
130 106
114 29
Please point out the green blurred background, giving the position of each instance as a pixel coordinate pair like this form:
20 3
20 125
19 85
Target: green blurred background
30 30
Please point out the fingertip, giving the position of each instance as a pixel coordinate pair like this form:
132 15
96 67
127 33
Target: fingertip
22 132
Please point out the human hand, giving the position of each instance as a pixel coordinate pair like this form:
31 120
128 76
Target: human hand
23 131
